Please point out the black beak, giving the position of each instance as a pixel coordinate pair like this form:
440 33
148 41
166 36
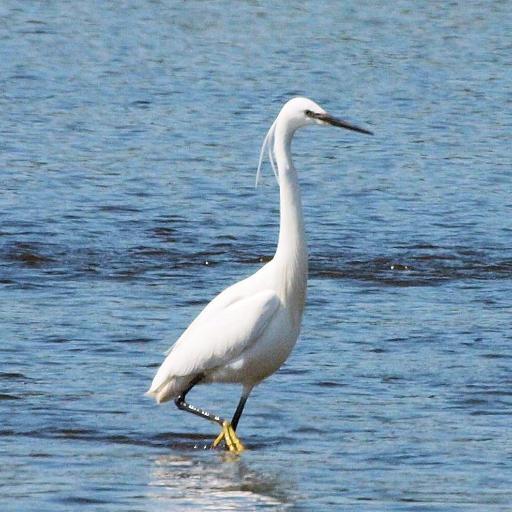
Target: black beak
326 118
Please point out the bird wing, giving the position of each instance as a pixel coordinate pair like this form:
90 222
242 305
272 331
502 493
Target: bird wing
238 291
219 337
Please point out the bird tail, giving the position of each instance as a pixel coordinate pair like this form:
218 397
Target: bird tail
165 392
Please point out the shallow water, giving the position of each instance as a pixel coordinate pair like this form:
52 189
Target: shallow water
129 141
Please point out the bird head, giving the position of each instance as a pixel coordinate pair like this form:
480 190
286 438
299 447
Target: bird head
300 112
297 113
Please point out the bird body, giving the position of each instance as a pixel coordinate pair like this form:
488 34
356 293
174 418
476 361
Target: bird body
242 336
248 331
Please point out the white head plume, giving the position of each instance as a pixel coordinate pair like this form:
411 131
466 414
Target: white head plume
268 143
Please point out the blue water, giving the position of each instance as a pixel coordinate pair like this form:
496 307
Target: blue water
129 138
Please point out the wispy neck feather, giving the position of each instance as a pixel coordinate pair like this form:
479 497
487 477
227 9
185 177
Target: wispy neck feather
277 144
268 145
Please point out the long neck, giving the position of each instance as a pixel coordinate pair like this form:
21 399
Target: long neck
291 254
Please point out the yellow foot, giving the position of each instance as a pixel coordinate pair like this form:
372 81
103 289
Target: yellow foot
228 435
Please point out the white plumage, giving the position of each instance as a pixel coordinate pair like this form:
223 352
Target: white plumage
247 332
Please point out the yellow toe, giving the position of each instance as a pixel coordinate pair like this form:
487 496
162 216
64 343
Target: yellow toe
218 439
228 435
233 442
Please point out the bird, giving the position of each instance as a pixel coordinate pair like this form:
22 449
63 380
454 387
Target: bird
248 330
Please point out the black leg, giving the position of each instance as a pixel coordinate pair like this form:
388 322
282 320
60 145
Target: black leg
184 406
239 409
227 435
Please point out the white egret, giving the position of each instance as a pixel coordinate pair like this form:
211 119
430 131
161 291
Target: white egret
247 332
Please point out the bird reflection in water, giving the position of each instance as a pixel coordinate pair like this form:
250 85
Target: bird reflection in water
201 483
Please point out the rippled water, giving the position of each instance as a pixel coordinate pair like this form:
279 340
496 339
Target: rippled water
129 139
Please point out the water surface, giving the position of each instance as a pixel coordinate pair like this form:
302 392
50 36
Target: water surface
129 140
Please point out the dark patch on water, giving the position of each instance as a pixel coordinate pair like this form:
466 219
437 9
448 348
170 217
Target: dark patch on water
13 376
82 500
144 104
330 384
4 396
182 441
26 254
415 269
132 340
420 269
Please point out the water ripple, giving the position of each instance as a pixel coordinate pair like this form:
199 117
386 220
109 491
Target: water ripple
436 266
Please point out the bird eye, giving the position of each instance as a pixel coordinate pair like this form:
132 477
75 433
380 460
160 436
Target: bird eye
309 113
